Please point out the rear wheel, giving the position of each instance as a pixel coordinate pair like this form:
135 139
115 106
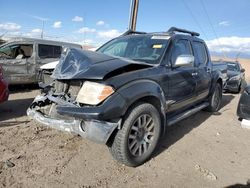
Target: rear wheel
136 141
215 99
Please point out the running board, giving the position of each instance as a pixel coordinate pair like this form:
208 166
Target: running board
186 114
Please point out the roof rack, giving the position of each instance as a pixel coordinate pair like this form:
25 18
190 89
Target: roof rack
175 29
130 32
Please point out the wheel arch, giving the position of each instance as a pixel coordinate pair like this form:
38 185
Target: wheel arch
146 91
216 78
157 104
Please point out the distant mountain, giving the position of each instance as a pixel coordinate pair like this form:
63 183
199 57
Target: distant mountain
231 55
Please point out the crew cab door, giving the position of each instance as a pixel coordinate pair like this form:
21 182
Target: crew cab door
182 83
203 69
14 59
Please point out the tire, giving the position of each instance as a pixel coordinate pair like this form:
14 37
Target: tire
239 88
215 99
135 143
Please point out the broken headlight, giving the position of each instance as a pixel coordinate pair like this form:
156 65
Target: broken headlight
235 78
93 93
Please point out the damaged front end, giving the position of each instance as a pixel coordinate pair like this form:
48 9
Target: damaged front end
82 98
74 104
44 109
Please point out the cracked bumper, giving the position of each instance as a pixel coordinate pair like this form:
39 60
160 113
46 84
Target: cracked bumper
94 130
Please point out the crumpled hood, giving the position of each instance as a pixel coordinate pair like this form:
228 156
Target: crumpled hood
79 64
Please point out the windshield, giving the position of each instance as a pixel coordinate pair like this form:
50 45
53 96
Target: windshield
233 67
146 48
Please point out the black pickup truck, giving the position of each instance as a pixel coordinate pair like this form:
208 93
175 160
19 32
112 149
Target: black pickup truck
125 94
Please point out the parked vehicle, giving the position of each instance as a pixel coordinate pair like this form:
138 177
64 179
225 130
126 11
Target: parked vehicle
236 77
45 73
4 91
22 57
222 67
243 110
125 94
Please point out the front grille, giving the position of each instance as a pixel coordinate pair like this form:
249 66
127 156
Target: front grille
47 78
70 88
74 89
60 87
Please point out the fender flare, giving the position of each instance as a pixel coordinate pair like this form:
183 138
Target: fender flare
216 75
139 89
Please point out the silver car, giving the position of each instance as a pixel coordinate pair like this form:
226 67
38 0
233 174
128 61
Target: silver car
21 58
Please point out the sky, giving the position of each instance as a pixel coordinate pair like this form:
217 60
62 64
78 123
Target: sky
223 24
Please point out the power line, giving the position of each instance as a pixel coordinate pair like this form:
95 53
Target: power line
194 18
211 25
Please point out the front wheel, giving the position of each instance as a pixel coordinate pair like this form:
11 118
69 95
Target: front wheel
136 141
215 99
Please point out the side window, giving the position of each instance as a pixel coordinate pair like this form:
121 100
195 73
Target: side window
6 52
200 53
17 51
49 51
181 47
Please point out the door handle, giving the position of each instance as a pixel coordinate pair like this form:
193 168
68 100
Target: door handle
209 70
194 74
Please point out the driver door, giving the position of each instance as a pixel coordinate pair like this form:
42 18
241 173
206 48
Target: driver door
182 84
14 60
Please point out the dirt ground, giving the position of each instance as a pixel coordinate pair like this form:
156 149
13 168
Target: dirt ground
205 150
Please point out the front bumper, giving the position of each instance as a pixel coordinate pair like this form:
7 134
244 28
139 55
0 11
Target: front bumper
95 130
232 85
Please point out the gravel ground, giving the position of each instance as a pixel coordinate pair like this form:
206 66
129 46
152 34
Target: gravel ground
205 150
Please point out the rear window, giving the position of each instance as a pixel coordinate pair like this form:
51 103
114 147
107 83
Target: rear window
49 51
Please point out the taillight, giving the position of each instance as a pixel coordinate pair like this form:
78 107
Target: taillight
1 72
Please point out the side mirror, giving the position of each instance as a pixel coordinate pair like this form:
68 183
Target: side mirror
184 60
242 70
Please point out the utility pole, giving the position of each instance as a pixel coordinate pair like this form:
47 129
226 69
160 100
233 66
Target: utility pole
133 14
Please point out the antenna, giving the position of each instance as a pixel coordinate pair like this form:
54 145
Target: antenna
42 29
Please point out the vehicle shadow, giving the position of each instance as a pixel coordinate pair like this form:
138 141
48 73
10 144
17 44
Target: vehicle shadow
226 99
180 129
11 123
22 88
13 109
238 185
